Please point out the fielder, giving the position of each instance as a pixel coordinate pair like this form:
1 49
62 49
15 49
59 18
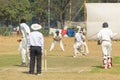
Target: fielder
25 30
57 38
104 37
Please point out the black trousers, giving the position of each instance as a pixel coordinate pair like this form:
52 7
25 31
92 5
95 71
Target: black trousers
35 55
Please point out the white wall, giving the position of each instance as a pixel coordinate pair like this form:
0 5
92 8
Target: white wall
97 13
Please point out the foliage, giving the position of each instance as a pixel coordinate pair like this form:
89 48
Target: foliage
12 10
60 10
45 32
40 9
102 1
5 31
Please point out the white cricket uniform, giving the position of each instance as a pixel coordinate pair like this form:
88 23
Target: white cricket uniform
105 35
78 42
53 42
23 44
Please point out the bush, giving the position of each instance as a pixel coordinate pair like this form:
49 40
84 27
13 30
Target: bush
5 31
45 32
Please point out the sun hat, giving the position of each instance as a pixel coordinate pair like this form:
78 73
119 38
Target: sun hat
36 26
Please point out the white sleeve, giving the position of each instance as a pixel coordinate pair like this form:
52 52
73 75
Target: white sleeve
99 35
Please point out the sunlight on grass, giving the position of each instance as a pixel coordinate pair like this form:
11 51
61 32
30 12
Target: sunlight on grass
114 70
60 65
9 60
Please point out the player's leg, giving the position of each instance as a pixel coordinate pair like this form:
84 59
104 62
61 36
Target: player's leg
39 60
105 62
86 48
104 51
52 45
32 60
23 54
28 57
75 47
109 62
109 55
61 45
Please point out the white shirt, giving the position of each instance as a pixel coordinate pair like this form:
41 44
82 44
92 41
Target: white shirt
105 34
24 29
79 37
59 35
36 39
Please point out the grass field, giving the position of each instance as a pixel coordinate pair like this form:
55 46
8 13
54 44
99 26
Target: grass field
60 65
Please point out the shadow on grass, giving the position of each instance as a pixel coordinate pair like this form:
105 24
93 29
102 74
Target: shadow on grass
25 72
21 65
99 67
18 65
96 69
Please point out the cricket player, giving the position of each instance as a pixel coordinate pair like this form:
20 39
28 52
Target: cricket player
84 48
79 38
105 36
25 30
57 38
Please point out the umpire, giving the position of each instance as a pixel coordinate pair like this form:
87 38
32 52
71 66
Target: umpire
36 45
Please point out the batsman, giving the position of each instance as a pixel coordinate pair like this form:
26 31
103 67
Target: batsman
105 37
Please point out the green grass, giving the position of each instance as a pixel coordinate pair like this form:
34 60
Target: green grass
62 68
66 63
114 70
9 60
56 63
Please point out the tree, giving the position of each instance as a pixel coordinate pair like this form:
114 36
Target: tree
103 1
39 10
58 8
13 10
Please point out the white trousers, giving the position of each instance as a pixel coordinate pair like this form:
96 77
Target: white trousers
106 49
24 51
82 46
76 46
85 47
53 45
